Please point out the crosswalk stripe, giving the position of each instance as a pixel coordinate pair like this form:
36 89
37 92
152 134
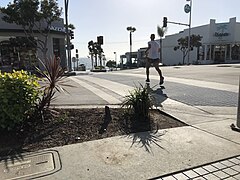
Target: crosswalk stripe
110 99
118 88
192 82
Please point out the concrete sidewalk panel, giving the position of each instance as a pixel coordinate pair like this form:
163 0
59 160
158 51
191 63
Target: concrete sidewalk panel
221 129
142 155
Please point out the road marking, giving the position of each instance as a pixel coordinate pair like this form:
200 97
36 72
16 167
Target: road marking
118 88
192 82
110 99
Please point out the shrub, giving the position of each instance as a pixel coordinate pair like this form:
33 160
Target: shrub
53 75
19 92
138 102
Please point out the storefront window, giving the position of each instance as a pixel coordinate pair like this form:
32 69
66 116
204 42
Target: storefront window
212 52
228 52
200 53
56 47
208 52
236 52
17 53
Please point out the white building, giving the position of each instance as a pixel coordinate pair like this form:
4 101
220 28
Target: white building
220 44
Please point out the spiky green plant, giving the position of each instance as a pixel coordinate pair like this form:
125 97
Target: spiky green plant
53 76
138 102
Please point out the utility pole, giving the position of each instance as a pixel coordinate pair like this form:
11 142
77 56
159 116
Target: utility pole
188 9
131 29
68 39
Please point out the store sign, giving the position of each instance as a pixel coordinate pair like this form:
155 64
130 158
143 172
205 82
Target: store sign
221 31
187 8
217 34
60 29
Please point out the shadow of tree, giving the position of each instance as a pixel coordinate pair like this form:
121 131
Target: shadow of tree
15 156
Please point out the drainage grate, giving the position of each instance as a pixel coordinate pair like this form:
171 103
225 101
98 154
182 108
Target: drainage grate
25 166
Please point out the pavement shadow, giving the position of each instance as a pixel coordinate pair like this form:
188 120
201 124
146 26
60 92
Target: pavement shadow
157 95
146 140
15 156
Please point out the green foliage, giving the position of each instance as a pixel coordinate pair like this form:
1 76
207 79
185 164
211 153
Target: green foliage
95 50
138 102
195 41
33 16
19 92
54 75
62 117
161 31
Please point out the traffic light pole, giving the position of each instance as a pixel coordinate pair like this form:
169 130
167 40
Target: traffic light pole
177 23
189 31
69 62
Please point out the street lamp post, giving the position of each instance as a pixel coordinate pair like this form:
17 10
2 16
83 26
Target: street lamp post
131 30
68 39
115 58
189 30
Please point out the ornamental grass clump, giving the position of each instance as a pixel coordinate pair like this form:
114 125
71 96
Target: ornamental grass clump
19 94
138 103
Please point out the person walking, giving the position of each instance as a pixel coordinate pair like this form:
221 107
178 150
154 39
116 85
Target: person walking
152 53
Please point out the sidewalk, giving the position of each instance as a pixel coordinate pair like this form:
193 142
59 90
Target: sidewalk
167 154
206 149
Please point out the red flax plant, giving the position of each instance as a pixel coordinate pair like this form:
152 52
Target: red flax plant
53 75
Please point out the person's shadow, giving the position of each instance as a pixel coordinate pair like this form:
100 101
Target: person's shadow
157 95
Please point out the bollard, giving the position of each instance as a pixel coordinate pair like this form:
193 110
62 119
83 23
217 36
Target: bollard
238 111
237 127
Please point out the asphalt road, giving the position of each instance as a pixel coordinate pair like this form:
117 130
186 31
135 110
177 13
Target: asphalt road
200 85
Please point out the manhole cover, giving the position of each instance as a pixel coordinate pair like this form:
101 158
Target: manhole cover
25 166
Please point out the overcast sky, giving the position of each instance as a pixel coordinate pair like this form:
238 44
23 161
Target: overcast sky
110 18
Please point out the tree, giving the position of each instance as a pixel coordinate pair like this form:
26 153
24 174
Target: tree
161 32
95 50
183 44
34 16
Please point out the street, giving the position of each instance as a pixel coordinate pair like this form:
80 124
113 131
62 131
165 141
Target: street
200 85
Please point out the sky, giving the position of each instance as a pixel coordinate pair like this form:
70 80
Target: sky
110 18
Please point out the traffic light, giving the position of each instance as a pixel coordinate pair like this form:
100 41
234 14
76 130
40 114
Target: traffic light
71 34
164 21
100 40
77 53
71 46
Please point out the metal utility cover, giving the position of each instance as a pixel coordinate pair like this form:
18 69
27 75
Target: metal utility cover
25 166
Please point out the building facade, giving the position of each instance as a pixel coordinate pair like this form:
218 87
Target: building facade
17 52
220 44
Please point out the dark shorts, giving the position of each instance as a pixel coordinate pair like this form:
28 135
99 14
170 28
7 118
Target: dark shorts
154 62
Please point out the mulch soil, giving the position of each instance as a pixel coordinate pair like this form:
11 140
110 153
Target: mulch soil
79 125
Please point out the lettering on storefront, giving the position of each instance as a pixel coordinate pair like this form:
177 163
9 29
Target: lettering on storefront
217 34
60 29
221 31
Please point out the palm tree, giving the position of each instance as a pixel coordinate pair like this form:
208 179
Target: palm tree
161 32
